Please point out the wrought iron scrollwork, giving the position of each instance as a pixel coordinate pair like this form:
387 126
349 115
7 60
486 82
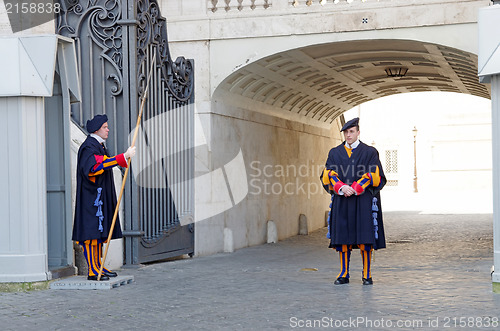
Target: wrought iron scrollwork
152 30
179 81
101 18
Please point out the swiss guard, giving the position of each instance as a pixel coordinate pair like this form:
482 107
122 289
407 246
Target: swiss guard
354 177
96 196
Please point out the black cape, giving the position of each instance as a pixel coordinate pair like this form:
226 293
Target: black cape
351 218
89 195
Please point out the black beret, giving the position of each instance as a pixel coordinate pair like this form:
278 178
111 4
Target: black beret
350 124
95 124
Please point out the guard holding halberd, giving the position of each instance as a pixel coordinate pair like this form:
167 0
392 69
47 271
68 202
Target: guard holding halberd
96 196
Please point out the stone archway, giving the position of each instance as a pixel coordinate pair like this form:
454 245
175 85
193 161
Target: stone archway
316 84
283 112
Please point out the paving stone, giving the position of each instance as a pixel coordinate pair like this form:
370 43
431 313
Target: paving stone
434 274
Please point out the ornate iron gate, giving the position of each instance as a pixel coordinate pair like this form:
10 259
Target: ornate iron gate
116 41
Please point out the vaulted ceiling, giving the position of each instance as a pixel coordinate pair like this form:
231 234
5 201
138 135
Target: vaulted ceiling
321 82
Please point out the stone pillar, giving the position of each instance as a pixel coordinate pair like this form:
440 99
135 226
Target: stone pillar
489 72
23 205
23 195
28 189
495 136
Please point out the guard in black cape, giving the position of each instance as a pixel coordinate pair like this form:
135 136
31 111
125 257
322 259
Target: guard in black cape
354 177
96 196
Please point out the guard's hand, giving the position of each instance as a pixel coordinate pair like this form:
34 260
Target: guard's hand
130 152
348 191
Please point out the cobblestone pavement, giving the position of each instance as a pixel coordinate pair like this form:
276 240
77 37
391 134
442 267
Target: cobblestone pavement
434 274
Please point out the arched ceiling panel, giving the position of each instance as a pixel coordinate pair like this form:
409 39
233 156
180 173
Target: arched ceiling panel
320 82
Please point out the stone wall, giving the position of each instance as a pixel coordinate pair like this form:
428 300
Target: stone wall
282 159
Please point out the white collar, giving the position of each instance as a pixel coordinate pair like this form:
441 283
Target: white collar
353 145
99 139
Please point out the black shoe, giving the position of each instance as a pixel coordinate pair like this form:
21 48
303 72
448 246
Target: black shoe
341 280
367 281
109 273
103 277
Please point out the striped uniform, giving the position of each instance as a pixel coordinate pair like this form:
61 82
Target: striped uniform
95 201
355 221
92 249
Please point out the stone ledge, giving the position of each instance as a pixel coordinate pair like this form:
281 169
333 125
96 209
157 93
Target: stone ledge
81 283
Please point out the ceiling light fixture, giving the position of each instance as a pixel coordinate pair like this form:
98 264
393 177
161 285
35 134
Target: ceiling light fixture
396 72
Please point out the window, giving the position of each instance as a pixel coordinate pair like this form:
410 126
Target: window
391 166
391 161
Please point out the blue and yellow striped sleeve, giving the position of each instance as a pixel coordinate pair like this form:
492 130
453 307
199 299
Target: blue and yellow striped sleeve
104 162
370 178
331 178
